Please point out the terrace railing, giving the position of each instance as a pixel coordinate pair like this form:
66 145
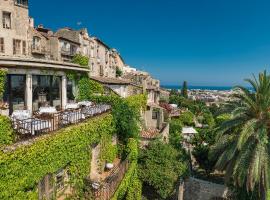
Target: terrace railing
112 182
45 123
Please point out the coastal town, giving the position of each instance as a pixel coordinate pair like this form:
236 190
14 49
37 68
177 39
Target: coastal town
79 122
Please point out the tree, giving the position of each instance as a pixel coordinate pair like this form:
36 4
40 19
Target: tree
202 142
187 118
184 91
243 145
160 166
175 136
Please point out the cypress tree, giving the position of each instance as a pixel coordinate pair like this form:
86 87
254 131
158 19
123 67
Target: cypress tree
184 91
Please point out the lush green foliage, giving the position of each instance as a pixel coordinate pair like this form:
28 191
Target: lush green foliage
202 142
222 118
187 118
184 90
175 136
126 113
3 74
130 186
160 166
119 72
22 168
81 60
108 151
6 131
87 88
243 144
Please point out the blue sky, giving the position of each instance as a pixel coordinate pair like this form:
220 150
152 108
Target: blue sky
209 42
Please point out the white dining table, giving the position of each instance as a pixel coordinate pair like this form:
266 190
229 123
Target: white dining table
49 110
72 106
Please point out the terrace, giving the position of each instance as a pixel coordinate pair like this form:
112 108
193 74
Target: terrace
48 119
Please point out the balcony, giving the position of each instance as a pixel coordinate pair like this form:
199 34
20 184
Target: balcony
44 123
37 49
106 189
67 52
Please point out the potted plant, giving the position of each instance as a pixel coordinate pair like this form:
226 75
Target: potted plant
4 108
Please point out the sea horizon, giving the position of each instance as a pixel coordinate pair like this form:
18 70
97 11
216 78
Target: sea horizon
220 88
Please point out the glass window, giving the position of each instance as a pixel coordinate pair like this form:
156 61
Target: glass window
6 20
70 91
15 92
46 91
22 2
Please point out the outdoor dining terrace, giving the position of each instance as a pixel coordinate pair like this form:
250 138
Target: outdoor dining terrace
49 119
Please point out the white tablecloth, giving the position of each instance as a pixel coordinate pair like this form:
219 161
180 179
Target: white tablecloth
72 106
47 110
21 114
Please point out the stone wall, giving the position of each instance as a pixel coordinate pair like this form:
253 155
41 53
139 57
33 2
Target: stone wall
196 189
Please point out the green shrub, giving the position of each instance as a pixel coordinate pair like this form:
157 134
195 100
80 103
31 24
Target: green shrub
6 131
160 166
81 60
119 72
187 118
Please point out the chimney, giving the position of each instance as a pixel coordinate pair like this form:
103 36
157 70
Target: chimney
31 22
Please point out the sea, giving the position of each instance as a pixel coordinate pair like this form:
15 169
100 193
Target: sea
220 88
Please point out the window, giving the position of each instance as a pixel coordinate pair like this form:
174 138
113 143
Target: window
154 114
2 45
22 2
60 180
6 20
24 48
36 43
16 46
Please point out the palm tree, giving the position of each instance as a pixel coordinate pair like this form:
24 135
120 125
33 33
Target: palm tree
243 144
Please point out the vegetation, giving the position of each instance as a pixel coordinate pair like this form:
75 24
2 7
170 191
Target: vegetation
7 135
80 60
3 74
243 146
184 90
175 136
88 88
119 72
130 187
160 166
202 142
21 169
187 118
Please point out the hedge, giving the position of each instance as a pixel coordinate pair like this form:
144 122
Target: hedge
22 169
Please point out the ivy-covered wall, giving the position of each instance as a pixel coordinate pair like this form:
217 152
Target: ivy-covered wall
22 169
3 73
130 187
6 131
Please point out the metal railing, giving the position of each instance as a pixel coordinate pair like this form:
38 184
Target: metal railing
45 123
112 182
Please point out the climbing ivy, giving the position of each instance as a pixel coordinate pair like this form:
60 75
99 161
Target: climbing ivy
81 60
21 169
88 88
130 186
3 74
6 131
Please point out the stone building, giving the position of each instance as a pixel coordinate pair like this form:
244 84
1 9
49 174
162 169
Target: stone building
33 68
